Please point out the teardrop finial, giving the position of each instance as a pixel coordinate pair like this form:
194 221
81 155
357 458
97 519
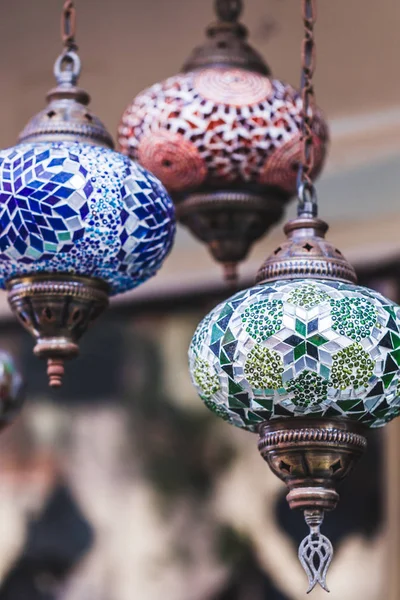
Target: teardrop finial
228 10
315 551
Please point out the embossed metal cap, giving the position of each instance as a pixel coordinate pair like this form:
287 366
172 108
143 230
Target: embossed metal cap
67 116
226 43
306 254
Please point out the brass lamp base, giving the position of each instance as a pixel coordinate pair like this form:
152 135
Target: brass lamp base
230 221
57 308
312 456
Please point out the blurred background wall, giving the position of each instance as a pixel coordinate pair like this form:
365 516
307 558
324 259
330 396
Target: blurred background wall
121 485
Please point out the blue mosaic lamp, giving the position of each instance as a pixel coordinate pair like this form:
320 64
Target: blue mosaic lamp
79 222
307 359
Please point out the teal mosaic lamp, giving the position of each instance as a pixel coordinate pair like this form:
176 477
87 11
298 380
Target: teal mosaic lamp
11 390
79 221
307 359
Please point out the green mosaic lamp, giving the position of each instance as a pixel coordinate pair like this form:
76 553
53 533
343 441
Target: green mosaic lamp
307 359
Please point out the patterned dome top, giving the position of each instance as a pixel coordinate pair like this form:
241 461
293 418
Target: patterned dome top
300 348
11 396
73 207
219 125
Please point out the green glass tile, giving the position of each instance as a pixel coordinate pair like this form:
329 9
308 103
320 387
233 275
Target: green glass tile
395 340
301 328
347 404
299 350
228 337
223 358
317 340
324 371
227 310
235 403
253 418
234 388
50 247
267 404
387 379
64 236
216 334
396 355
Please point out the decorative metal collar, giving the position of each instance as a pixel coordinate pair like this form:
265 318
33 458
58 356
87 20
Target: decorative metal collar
67 116
306 254
226 43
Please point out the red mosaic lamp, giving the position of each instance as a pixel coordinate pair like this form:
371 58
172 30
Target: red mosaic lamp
224 138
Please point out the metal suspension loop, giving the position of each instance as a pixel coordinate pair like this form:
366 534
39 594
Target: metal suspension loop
68 26
305 186
228 11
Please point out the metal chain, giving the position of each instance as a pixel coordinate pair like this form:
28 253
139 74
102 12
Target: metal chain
228 11
68 26
306 189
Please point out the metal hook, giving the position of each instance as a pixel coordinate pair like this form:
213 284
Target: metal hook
67 68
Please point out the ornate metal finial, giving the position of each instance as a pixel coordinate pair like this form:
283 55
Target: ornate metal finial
315 551
228 10
226 43
312 456
306 254
67 116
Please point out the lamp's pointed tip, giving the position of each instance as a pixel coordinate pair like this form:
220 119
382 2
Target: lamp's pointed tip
55 372
231 274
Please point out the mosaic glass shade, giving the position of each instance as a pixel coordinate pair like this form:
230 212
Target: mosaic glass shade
296 348
219 126
77 208
11 396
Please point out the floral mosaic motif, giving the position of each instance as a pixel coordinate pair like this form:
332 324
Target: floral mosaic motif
352 367
308 389
72 207
353 317
264 368
307 296
219 125
304 365
263 319
205 379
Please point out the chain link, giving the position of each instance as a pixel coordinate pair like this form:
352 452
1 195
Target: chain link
305 184
68 26
228 10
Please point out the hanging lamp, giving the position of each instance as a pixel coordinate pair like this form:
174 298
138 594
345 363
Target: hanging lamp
224 138
306 358
79 222
11 390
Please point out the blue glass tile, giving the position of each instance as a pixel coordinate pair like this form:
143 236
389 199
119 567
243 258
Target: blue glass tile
65 211
49 187
20 245
34 206
58 224
78 234
84 211
56 161
39 195
36 243
62 177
